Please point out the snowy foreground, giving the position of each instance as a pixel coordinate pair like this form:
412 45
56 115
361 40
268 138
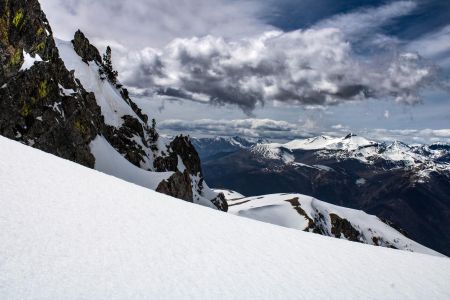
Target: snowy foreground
68 232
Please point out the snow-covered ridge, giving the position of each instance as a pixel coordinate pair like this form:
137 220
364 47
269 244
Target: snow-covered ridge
274 151
115 240
309 214
129 150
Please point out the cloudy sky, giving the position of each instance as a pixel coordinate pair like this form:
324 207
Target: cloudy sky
277 69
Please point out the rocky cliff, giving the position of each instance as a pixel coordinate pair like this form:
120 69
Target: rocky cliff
53 98
35 107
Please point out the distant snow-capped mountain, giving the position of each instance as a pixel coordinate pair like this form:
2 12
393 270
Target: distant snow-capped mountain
408 185
422 158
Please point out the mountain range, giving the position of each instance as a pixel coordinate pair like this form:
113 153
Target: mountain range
407 186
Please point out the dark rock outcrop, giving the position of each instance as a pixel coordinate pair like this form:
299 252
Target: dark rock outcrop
178 185
181 150
84 49
342 227
220 202
35 107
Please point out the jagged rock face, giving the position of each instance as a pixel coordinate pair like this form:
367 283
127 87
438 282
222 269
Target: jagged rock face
122 140
44 106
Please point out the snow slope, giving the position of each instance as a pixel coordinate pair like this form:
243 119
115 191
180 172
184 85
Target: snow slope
109 161
281 209
69 232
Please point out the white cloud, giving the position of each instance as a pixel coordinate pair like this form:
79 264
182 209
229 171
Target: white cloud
309 67
254 128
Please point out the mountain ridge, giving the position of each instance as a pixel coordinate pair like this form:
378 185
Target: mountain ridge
406 185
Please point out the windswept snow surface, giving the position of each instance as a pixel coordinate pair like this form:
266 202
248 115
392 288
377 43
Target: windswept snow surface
69 232
277 209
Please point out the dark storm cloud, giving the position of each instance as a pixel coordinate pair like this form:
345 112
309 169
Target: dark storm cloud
243 64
